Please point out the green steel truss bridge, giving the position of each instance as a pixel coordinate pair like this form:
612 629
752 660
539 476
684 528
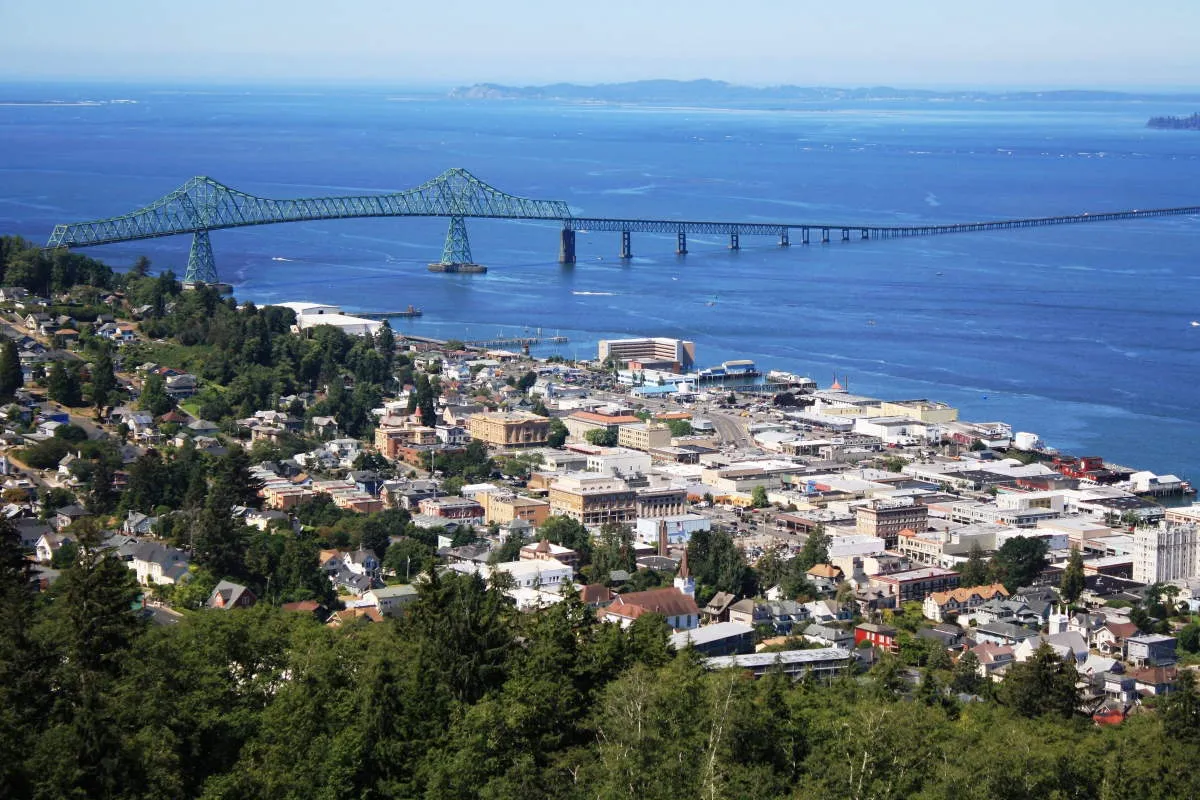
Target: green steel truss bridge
203 205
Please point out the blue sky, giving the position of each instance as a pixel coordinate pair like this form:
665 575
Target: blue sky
933 43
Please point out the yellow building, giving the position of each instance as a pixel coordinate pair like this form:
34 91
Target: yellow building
920 410
502 507
509 428
389 438
645 436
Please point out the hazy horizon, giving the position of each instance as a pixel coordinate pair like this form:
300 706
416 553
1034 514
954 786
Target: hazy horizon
1069 44
439 87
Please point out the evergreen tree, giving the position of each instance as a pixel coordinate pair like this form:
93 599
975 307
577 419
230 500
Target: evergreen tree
719 565
62 385
974 572
613 551
154 399
11 377
1019 561
90 629
104 380
1043 685
22 697
1072 578
376 537
386 344
233 485
965 675
102 497
219 543
1180 709
815 550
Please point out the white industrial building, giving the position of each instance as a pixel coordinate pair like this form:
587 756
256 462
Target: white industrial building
310 315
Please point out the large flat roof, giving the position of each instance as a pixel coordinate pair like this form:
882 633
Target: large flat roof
751 660
709 633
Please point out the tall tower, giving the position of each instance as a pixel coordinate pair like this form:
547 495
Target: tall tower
683 581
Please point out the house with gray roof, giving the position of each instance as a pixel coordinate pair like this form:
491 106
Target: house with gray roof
829 635
156 563
1005 633
228 594
30 530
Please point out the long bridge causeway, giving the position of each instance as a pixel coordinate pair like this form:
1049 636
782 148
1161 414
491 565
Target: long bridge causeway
203 205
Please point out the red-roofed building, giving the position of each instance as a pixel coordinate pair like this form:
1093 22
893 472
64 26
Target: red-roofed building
680 609
992 658
940 604
1110 637
1109 716
596 595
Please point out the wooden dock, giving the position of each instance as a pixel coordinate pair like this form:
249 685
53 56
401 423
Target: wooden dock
411 311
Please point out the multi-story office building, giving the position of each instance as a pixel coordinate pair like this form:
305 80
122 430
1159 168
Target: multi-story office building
644 436
593 499
509 428
886 518
1166 553
676 355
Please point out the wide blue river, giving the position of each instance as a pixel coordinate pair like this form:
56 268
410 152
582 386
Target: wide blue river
1081 334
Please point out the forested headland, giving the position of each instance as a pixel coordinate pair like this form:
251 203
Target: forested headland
1191 123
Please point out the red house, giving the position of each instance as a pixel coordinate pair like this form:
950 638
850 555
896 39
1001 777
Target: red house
880 636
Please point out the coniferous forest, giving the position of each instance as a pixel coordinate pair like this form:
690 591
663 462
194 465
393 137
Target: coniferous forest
464 697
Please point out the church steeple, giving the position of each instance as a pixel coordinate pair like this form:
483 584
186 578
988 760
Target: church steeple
683 580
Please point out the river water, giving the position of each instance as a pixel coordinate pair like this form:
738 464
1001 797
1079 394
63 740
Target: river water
1081 334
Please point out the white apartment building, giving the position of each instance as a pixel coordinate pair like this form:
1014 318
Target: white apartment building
1167 553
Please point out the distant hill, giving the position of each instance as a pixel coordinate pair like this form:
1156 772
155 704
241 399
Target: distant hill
1191 123
710 91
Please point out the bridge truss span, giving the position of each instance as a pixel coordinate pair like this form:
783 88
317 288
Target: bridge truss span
203 205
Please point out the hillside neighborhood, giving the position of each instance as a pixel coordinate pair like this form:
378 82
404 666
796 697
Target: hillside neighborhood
211 460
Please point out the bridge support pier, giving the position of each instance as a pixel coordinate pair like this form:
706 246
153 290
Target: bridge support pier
201 268
566 247
626 246
681 246
734 243
784 241
457 249
845 234
804 236
866 233
824 235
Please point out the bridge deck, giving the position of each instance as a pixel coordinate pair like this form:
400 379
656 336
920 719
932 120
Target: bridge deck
581 224
203 205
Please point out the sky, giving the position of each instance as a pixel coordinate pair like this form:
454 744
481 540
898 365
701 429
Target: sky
438 43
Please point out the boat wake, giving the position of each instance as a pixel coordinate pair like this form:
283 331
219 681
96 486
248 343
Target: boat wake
594 294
